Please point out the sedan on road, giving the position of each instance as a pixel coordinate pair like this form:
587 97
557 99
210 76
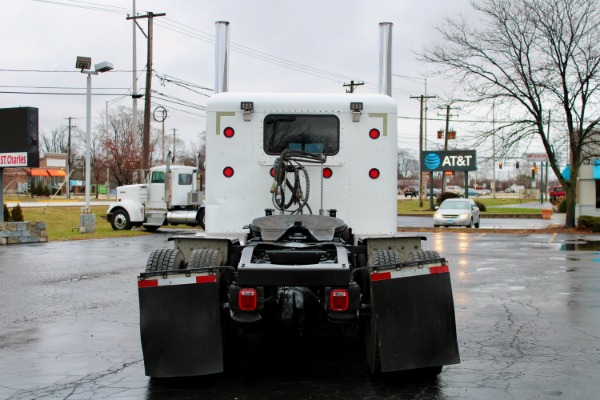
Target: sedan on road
457 212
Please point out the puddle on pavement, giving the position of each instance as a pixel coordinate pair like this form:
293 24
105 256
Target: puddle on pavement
591 245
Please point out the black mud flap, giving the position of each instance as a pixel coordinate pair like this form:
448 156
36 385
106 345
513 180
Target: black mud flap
414 317
180 324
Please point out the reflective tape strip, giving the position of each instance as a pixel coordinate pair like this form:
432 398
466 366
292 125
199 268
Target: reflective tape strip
408 272
170 281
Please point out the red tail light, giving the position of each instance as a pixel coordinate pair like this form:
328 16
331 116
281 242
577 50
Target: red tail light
228 132
374 173
272 172
228 172
327 173
338 300
247 299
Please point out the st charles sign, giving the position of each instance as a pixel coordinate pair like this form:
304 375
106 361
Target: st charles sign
454 160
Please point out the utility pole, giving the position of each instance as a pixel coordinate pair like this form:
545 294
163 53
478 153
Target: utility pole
422 101
352 85
174 130
148 100
448 115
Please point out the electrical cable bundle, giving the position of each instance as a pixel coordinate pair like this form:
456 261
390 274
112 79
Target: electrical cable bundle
287 193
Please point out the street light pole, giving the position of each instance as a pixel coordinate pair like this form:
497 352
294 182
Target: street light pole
87 220
88 139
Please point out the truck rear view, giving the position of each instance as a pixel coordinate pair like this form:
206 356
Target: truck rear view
300 237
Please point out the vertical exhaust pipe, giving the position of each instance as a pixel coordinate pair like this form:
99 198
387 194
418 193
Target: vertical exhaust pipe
385 58
221 56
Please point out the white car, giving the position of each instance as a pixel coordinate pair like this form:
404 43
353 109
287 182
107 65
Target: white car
457 212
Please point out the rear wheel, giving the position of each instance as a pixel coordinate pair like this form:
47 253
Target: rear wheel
200 217
120 220
205 258
423 255
165 260
151 228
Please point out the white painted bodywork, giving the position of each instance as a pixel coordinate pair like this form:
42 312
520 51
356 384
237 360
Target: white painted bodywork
367 205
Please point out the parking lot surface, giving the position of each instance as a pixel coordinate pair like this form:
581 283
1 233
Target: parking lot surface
527 309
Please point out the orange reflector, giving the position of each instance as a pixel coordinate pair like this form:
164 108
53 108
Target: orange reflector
374 134
228 132
327 173
228 172
338 300
374 173
247 299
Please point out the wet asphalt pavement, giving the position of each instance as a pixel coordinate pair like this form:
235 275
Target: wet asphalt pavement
527 309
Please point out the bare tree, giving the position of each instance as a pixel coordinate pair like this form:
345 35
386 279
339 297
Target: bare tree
122 146
531 58
56 141
408 165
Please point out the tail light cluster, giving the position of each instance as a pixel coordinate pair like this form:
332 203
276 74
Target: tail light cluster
342 300
246 299
339 300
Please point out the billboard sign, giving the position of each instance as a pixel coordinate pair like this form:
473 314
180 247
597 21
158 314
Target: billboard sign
19 137
449 160
13 160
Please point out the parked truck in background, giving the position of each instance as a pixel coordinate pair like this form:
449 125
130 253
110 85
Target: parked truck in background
170 196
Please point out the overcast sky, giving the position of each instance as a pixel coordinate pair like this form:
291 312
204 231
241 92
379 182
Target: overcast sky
276 46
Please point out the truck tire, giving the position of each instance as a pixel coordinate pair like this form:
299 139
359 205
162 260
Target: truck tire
204 258
200 216
120 220
423 255
151 228
385 257
382 257
165 260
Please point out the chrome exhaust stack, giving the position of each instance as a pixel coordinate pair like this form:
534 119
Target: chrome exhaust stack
221 56
385 58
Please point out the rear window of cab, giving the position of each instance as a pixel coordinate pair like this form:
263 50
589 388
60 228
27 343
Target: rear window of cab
309 133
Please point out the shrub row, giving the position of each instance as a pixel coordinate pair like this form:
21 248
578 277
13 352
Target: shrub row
587 222
14 215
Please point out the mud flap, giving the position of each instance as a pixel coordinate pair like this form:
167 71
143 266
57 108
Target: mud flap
180 324
414 319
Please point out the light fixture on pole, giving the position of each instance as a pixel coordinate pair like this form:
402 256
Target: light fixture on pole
87 220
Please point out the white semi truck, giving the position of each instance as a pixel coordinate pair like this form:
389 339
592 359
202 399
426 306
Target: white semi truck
171 195
300 237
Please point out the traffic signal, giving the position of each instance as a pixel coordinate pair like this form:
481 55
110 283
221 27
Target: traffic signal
500 165
533 171
517 165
